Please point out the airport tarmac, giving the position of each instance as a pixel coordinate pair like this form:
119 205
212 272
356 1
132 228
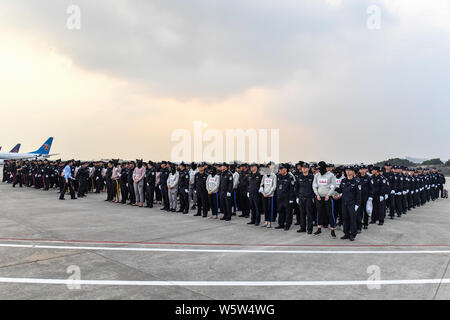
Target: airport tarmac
92 249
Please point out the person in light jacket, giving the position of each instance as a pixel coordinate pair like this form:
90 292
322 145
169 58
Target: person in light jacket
323 186
172 185
212 186
138 179
267 189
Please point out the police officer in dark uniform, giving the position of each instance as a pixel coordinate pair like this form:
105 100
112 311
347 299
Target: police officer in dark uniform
150 181
351 201
254 197
183 189
83 178
305 198
285 197
123 181
362 217
244 203
164 175
225 191
200 190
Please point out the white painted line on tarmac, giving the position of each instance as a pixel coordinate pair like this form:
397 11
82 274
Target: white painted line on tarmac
32 246
224 283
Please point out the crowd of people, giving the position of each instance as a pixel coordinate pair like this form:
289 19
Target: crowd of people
319 195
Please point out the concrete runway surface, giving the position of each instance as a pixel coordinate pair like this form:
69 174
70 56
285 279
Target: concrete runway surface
92 249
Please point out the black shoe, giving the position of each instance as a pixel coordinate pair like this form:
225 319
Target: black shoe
392 217
359 231
74 198
223 218
380 223
287 228
279 227
256 224
309 231
204 216
241 216
62 199
301 230
197 215
365 228
352 239
319 231
345 237
250 222
297 224
372 222
180 211
333 234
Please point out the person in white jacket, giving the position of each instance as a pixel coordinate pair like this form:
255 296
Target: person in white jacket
268 187
172 185
323 186
212 186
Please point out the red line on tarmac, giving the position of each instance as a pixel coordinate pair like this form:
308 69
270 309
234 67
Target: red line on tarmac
230 244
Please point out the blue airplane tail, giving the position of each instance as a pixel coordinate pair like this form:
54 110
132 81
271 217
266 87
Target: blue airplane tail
45 148
16 148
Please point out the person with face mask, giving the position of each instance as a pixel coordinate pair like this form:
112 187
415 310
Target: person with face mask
172 185
212 187
336 204
138 180
267 189
323 186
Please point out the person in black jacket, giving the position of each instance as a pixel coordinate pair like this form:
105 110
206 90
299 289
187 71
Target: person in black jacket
244 204
225 191
351 201
150 181
164 175
83 178
285 197
123 181
183 189
305 198
201 192
254 184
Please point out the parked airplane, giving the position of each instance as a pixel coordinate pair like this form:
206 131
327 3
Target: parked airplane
15 149
41 153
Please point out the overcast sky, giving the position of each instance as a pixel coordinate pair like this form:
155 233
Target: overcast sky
138 70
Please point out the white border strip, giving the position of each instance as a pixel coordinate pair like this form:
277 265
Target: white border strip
223 283
31 246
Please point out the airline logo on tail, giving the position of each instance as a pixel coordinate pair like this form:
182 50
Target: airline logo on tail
45 148
16 148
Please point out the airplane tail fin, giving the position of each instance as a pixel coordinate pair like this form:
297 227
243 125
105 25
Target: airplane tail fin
45 148
16 148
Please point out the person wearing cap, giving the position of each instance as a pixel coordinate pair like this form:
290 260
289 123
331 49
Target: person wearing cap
305 198
285 197
243 202
323 185
200 191
225 191
362 220
254 196
183 188
393 182
378 190
350 188
150 184
212 187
